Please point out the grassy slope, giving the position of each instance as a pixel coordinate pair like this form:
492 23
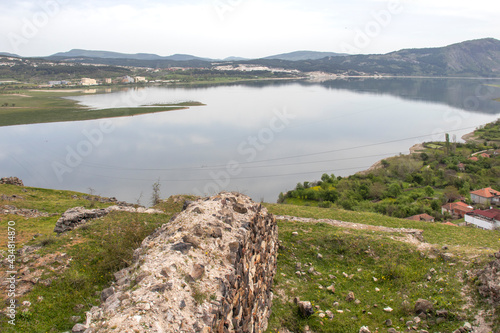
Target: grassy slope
400 269
97 251
107 244
434 233
46 107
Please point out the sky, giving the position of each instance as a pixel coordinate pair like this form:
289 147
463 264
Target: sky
245 28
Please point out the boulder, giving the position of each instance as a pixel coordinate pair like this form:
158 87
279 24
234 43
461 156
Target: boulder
306 308
423 306
11 181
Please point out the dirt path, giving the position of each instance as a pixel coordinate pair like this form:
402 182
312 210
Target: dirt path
411 236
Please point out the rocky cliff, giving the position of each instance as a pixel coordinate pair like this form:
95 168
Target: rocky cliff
210 269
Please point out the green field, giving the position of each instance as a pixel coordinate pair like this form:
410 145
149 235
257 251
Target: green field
33 107
373 259
96 251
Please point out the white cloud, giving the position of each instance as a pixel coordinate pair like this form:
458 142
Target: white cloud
241 28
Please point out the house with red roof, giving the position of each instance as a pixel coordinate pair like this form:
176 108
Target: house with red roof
485 219
421 217
474 158
485 196
456 209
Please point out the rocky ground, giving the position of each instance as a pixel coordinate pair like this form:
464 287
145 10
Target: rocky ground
488 282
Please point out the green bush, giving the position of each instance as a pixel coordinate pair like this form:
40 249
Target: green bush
325 204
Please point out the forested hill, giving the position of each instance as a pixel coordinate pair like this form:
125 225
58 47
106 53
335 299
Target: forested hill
471 58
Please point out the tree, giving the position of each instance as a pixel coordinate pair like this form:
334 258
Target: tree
424 157
451 193
330 195
377 191
429 191
155 196
394 190
281 198
325 178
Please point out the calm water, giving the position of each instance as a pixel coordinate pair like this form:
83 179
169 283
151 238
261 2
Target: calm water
259 139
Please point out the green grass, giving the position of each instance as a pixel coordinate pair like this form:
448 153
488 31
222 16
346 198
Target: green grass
52 202
490 132
46 107
401 272
468 238
100 248
433 146
106 245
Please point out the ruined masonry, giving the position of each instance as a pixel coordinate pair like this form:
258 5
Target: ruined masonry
76 216
11 181
210 269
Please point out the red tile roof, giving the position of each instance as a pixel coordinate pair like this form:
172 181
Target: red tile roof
474 158
449 223
461 206
486 192
421 217
490 213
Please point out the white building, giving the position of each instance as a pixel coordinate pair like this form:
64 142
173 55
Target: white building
88 82
484 219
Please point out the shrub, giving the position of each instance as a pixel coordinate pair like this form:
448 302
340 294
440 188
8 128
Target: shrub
325 204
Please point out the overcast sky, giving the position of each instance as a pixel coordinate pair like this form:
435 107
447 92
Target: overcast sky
245 28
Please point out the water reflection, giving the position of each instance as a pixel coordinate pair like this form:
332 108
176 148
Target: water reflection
258 138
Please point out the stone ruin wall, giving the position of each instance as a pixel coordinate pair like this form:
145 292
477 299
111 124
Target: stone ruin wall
210 269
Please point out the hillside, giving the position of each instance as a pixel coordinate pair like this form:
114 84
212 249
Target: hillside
370 272
304 55
359 275
471 58
436 173
27 70
78 53
474 58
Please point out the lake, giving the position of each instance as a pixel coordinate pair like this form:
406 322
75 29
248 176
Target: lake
256 138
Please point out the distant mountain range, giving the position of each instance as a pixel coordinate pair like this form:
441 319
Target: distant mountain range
292 56
6 54
115 55
470 58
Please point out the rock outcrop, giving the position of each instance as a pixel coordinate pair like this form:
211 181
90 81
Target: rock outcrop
28 213
210 269
11 181
489 281
76 216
